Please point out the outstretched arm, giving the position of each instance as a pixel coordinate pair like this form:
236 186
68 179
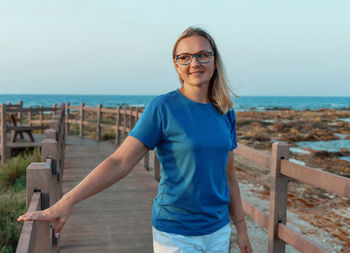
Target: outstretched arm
235 206
111 170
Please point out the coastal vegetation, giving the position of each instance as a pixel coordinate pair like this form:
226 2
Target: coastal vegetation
12 197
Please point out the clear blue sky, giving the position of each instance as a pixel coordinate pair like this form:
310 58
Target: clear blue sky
274 48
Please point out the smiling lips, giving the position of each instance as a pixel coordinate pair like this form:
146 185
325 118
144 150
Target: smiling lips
198 72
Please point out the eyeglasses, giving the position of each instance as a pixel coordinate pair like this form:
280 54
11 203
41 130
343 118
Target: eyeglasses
186 59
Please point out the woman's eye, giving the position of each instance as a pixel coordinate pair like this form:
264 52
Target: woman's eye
184 57
203 55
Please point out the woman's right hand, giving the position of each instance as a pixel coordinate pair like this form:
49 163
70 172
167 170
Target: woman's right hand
59 213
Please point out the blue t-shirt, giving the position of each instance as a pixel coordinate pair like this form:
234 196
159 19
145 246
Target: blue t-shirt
192 142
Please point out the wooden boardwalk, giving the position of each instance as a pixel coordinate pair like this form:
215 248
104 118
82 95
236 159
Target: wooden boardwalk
115 220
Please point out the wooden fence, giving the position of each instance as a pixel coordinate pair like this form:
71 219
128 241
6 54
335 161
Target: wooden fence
125 120
19 111
277 161
44 188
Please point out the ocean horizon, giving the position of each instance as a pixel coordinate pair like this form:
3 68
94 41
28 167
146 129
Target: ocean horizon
242 103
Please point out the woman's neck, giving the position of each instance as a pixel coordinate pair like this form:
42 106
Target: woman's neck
196 93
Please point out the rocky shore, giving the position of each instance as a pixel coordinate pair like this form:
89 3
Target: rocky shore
324 212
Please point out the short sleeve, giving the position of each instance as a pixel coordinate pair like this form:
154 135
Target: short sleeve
232 119
148 128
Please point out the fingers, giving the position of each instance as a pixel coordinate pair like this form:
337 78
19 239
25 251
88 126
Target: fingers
35 216
59 227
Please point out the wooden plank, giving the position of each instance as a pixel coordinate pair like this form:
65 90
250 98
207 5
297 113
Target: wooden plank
67 118
107 126
256 214
73 121
28 235
253 155
81 124
278 197
90 109
26 128
31 109
45 121
117 130
125 121
23 144
109 110
115 220
298 241
316 177
98 124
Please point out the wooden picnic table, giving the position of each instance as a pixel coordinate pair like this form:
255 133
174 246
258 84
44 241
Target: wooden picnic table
18 130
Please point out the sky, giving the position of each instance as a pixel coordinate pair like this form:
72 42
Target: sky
269 48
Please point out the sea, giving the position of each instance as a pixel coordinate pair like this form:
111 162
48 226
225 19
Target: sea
242 103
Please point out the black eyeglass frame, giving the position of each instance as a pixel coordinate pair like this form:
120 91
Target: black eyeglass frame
177 57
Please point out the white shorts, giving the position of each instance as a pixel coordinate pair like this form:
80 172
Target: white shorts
218 242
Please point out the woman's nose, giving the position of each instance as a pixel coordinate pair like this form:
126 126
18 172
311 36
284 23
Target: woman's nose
194 61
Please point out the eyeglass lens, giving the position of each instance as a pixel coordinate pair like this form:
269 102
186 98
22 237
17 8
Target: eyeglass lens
186 59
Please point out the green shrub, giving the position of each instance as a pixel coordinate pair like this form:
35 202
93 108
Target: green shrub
36 155
11 206
14 169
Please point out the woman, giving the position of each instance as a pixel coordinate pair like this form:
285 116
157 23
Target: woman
193 129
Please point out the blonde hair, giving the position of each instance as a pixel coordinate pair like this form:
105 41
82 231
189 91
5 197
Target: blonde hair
219 88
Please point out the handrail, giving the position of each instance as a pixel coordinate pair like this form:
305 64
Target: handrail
44 180
316 177
28 235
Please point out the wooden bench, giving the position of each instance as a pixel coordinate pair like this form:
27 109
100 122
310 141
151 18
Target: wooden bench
18 130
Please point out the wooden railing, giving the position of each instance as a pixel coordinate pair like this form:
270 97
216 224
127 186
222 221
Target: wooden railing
282 170
277 161
44 188
18 110
125 120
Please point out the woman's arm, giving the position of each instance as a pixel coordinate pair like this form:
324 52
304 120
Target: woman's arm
111 170
235 207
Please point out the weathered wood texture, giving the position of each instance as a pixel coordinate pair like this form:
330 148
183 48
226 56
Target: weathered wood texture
115 220
29 231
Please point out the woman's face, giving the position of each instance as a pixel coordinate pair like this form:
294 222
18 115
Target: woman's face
195 73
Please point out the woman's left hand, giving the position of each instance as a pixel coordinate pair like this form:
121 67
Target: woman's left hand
243 243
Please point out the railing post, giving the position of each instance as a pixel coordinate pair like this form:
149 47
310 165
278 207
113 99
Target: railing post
67 118
50 149
278 197
137 109
156 171
117 132
39 179
125 120
30 116
41 116
98 127
131 118
3 133
82 114
20 115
